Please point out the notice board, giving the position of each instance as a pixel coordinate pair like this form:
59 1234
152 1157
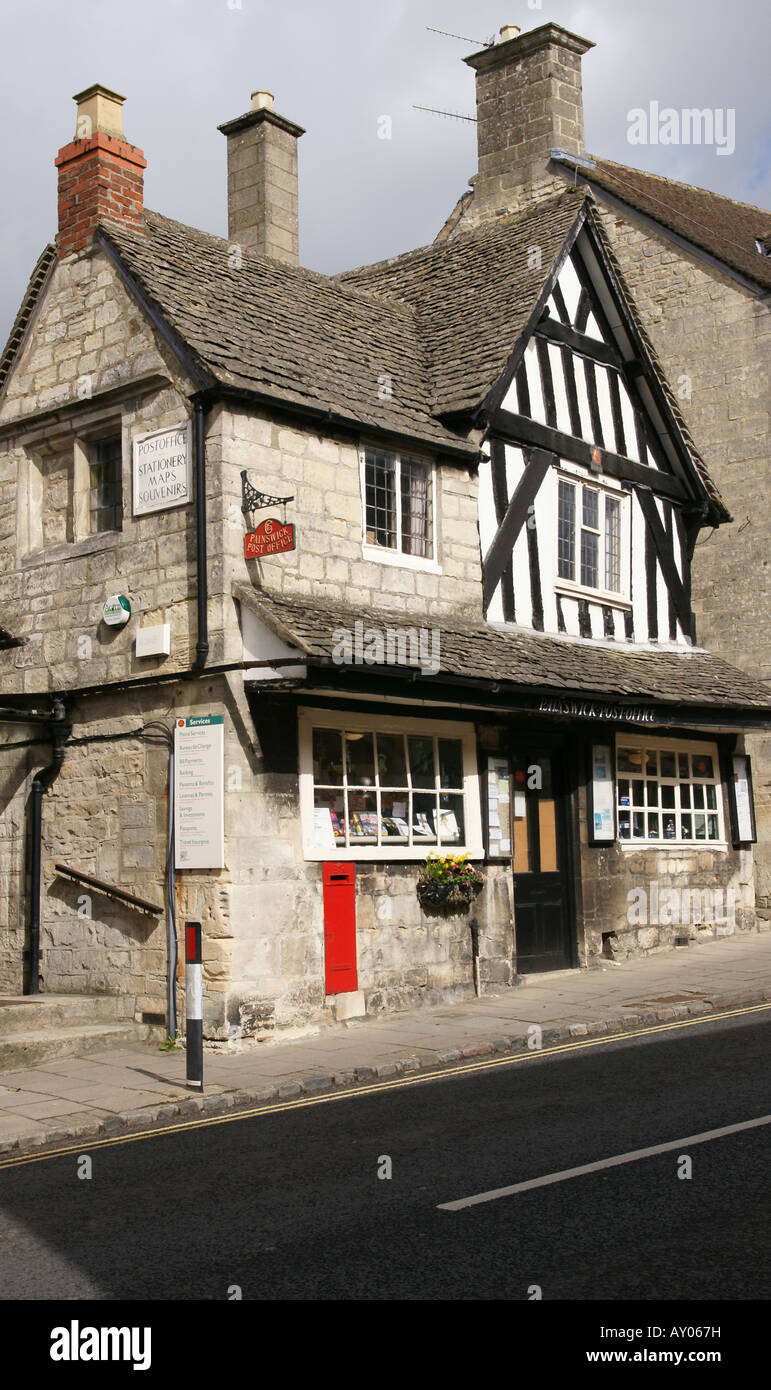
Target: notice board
199 792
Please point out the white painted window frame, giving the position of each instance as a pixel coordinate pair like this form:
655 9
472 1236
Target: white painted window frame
394 555
607 488
310 719
672 745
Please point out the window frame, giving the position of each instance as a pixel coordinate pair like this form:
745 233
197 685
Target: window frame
395 555
92 446
340 720
606 488
675 746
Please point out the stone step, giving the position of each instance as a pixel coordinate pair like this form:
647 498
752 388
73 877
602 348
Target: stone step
37 1046
22 1013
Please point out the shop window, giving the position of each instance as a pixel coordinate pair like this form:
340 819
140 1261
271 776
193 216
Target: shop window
377 788
668 793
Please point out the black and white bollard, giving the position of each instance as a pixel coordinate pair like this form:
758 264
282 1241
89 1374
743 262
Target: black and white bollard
193 1005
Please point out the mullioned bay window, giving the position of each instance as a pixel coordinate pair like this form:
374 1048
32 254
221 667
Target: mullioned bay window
668 792
592 523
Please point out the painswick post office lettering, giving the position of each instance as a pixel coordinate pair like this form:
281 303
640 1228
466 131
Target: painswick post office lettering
161 470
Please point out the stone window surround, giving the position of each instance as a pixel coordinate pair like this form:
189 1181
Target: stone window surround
32 547
310 718
673 745
381 555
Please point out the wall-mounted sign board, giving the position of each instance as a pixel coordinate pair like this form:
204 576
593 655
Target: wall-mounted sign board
116 610
742 802
199 792
271 538
161 469
602 811
498 798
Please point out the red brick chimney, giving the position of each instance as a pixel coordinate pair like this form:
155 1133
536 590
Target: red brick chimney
100 176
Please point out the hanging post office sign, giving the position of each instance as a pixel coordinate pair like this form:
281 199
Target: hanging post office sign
161 469
272 537
199 792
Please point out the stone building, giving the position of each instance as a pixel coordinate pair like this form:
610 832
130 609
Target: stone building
306 577
698 266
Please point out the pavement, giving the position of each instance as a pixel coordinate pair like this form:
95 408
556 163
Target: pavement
142 1087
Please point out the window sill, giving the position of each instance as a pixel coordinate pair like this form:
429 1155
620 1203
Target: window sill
379 555
564 586
388 855
70 550
673 846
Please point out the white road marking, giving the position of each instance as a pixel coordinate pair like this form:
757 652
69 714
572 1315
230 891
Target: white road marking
614 1162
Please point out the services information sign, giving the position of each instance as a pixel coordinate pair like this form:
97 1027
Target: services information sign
199 792
162 469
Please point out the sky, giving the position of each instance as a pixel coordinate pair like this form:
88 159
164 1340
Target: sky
336 67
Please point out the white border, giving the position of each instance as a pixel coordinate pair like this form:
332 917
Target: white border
309 718
393 555
675 745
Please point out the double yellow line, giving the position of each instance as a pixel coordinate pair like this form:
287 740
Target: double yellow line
87 1145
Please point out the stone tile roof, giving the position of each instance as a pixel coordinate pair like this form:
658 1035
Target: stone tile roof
524 661
722 226
473 295
286 334
37 280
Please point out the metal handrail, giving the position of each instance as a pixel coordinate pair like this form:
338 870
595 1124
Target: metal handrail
143 904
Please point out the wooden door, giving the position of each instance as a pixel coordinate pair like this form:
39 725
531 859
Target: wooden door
543 917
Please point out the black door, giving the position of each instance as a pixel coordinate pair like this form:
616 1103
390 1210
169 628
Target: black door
542 899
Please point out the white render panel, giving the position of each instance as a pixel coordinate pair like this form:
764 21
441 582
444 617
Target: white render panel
592 329
606 409
570 614
639 591
515 467
537 406
488 524
627 415
662 593
523 603
560 393
570 285
583 398
546 530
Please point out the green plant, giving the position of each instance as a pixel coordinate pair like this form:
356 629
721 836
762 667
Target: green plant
170 1045
454 869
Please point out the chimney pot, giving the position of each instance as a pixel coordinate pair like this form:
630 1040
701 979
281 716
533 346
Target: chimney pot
510 31
99 109
262 101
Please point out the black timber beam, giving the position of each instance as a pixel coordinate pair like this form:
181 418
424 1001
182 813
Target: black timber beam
580 342
521 430
498 556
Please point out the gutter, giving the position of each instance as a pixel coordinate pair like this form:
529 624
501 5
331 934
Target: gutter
60 731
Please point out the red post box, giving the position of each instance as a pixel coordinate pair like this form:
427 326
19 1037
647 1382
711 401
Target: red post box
340 928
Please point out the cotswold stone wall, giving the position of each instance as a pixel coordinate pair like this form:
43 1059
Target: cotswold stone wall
649 921
323 474
714 339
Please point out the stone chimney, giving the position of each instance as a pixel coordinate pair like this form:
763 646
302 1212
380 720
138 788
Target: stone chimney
100 175
262 181
528 102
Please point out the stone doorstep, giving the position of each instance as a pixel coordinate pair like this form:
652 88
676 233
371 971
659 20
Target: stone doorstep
84 1126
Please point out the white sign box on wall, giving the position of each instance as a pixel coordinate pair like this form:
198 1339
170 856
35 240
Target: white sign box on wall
199 792
161 469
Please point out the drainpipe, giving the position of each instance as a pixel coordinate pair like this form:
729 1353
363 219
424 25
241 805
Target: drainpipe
202 645
42 780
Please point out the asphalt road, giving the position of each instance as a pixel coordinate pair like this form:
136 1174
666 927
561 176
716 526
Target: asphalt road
290 1206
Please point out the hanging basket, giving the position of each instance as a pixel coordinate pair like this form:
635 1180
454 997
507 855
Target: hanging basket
450 897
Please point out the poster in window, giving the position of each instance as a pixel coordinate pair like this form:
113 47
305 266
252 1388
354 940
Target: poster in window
602 811
743 807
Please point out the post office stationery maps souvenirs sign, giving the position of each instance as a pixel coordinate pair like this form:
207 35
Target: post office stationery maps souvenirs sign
161 469
271 538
